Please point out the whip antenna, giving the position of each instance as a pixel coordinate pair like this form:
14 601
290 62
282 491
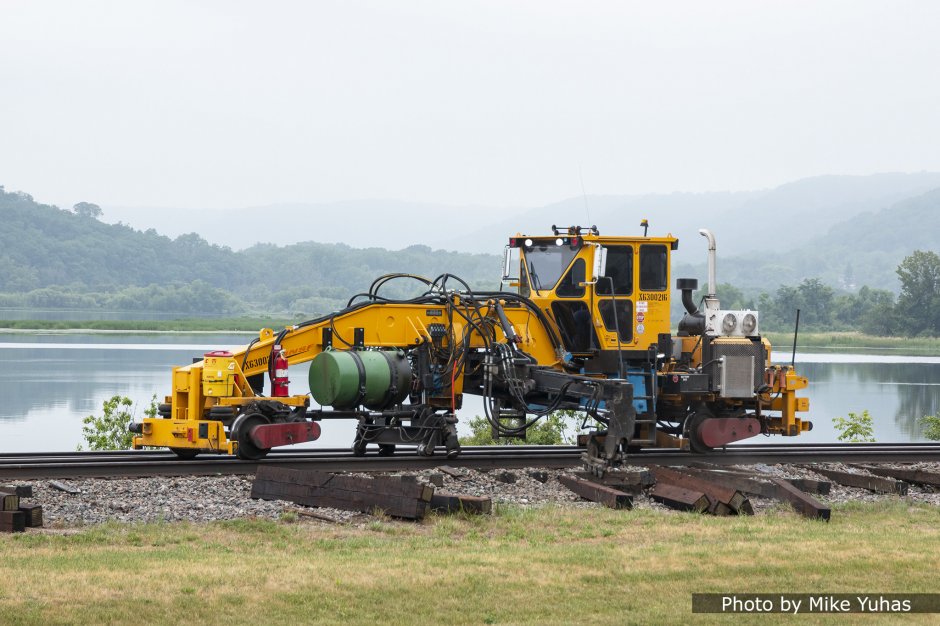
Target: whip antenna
584 194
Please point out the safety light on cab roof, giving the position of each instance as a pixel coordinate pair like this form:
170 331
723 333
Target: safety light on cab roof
517 242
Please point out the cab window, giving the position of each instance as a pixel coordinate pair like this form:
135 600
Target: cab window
617 315
546 263
572 285
619 272
574 322
653 268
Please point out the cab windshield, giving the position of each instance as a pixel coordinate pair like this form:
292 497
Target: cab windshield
545 263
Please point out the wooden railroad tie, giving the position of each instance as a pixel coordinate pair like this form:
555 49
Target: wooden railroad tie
723 500
808 485
805 504
595 492
401 496
9 502
920 477
680 498
12 521
32 514
15 516
631 482
23 491
454 503
774 488
862 481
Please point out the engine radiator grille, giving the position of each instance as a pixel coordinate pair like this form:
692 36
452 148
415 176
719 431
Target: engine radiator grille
742 371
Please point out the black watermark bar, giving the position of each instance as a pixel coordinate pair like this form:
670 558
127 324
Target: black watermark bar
804 603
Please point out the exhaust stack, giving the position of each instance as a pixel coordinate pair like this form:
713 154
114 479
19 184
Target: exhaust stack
711 298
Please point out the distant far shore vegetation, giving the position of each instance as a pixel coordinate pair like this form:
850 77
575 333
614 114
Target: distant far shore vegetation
193 324
70 263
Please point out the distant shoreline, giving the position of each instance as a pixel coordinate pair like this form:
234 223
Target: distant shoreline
191 326
782 342
854 342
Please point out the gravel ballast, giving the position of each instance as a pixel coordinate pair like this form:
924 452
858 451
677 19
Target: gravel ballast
205 499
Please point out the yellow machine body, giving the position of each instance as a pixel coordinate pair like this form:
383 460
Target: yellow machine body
594 305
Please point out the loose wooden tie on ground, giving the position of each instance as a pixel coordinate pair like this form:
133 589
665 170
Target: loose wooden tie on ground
921 477
774 488
9 502
27 515
12 521
804 503
454 503
872 483
23 491
630 482
723 500
679 498
808 485
595 492
32 514
742 482
396 496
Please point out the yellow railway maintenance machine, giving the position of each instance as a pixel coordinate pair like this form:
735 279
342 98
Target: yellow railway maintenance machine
587 328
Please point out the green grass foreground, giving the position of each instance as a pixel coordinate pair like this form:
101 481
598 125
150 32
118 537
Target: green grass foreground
537 566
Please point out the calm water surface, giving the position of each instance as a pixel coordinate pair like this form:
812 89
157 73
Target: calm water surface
49 382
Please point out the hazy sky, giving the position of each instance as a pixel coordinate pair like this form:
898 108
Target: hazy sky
231 104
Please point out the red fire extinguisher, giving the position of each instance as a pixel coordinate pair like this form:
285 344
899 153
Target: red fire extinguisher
279 379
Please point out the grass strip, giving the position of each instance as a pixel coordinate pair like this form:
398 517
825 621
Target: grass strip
852 342
536 566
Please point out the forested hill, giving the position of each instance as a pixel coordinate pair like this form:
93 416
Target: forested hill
50 257
864 249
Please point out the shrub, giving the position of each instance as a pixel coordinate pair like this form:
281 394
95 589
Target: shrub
856 428
109 431
931 426
557 428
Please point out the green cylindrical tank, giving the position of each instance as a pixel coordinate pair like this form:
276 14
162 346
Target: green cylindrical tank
345 379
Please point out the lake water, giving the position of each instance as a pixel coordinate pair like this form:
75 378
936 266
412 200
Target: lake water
49 382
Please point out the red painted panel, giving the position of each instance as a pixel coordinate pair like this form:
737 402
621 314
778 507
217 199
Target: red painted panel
267 436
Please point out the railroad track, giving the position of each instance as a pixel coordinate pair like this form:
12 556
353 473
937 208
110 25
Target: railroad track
160 463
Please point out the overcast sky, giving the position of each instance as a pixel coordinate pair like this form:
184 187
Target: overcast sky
232 104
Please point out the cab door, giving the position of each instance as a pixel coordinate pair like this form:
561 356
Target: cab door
614 298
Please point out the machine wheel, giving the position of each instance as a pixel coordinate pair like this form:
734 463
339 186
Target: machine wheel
386 449
695 442
185 454
164 410
451 443
359 446
247 450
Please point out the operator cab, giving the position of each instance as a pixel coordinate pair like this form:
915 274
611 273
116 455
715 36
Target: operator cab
606 295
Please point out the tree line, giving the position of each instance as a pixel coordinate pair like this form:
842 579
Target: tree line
53 258
912 313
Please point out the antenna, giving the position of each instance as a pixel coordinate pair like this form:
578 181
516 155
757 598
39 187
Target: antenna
584 194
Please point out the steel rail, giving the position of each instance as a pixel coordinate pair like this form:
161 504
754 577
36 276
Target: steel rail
163 463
